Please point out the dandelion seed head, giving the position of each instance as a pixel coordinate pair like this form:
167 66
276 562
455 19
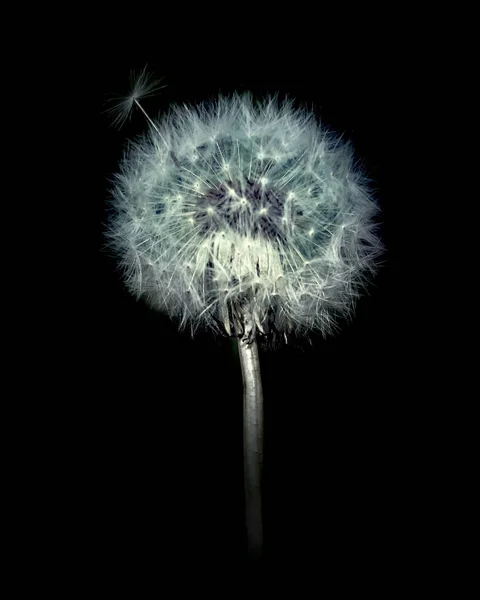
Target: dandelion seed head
235 212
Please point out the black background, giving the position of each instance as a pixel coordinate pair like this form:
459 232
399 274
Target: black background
346 461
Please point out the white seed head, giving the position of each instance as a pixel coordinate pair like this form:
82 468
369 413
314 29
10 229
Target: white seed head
244 217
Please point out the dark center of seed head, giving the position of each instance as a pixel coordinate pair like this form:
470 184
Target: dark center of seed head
251 208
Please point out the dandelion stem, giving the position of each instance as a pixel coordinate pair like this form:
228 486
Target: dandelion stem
252 444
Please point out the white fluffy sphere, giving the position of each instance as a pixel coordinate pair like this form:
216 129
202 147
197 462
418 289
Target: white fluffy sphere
244 217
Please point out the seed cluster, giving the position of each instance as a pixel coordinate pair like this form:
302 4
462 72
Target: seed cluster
245 215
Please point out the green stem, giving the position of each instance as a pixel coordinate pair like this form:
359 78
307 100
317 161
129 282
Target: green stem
252 444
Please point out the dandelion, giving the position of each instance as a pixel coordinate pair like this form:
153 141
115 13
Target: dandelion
249 219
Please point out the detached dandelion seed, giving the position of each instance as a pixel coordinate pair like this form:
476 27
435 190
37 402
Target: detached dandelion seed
141 86
248 219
